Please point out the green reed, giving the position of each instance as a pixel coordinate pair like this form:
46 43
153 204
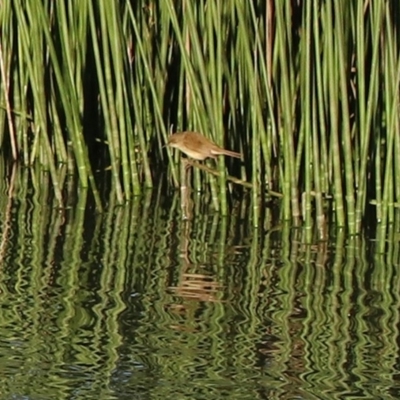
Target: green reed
304 91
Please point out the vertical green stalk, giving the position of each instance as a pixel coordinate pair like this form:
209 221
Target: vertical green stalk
345 117
268 140
20 101
113 23
290 189
371 106
322 95
106 79
378 175
214 23
334 96
307 115
257 127
320 216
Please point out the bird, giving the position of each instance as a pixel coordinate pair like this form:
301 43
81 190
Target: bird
197 146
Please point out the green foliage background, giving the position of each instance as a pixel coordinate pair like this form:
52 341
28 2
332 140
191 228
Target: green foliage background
307 91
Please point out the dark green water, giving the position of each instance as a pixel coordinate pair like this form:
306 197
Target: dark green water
135 303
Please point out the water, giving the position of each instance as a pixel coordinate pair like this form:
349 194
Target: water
135 303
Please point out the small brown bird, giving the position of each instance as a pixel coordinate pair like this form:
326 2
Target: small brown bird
197 146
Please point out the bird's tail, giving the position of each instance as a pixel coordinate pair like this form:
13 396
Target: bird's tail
230 153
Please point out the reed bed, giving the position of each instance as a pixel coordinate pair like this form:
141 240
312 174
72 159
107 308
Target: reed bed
307 91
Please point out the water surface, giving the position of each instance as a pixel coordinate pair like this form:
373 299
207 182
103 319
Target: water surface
135 303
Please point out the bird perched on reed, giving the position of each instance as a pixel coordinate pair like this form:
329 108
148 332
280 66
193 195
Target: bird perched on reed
197 146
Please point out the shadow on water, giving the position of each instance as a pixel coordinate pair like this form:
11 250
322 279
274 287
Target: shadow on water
136 303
